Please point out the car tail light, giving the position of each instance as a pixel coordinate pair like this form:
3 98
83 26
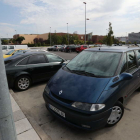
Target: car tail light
67 48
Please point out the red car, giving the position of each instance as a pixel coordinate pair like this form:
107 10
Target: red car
81 48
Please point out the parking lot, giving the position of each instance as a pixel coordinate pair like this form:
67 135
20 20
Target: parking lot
48 127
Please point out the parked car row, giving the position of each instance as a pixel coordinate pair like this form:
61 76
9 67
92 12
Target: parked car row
68 48
87 92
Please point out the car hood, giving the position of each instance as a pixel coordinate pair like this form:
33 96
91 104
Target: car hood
76 87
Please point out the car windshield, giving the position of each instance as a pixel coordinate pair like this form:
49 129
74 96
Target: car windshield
95 63
10 52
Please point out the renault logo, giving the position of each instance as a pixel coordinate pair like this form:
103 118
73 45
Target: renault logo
60 92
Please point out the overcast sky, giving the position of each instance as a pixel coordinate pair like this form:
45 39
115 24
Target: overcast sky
37 16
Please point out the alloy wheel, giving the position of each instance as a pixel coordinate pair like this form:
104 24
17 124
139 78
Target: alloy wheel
23 83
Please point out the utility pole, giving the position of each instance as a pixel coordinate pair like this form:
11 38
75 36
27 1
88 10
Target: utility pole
7 127
68 33
50 36
85 21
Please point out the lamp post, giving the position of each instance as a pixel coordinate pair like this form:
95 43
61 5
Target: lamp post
16 35
85 21
50 36
67 33
7 126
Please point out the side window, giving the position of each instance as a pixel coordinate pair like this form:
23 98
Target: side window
4 47
131 61
11 47
85 46
36 59
138 56
124 64
54 58
23 62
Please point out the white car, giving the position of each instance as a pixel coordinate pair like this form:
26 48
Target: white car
7 48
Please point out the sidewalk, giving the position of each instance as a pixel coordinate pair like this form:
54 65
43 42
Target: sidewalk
24 129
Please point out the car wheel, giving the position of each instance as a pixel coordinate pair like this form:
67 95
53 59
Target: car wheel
77 51
22 83
116 114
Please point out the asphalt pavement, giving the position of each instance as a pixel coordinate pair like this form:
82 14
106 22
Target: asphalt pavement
47 126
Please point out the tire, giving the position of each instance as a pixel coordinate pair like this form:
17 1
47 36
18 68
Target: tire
23 83
116 114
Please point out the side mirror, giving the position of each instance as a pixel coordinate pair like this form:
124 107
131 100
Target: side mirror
122 77
125 76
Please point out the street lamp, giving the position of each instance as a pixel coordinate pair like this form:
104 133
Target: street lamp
85 21
16 35
67 33
50 36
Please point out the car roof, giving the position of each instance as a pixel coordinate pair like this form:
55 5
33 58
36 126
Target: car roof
26 53
113 48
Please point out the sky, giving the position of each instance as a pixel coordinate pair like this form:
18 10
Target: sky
37 16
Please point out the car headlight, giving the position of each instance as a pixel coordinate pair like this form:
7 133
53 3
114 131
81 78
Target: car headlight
47 89
88 107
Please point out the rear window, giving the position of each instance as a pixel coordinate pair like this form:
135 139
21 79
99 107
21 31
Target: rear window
36 59
4 47
85 46
11 47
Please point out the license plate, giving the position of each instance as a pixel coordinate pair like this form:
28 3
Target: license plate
57 111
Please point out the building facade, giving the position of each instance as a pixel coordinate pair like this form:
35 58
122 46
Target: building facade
31 38
123 39
134 37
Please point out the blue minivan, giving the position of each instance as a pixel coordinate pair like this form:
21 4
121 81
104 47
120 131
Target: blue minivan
89 92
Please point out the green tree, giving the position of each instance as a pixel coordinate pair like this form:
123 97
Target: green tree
4 42
20 39
109 36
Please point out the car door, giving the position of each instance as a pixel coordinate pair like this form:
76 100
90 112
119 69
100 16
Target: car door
133 69
55 63
138 62
38 67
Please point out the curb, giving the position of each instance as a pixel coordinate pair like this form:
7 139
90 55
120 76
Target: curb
42 135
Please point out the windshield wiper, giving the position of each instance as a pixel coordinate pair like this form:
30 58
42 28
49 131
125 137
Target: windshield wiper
84 72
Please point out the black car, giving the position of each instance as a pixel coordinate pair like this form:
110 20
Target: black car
70 48
29 67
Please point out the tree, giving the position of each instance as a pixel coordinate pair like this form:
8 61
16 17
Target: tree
20 39
115 40
109 36
4 42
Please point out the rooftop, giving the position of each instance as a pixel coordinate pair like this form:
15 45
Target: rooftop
114 48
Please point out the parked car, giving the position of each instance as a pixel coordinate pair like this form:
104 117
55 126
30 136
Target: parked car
70 48
81 48
12 52
62 49
89 92
29 67
52 48
7 48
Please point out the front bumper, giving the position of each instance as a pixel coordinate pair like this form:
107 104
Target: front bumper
78 119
